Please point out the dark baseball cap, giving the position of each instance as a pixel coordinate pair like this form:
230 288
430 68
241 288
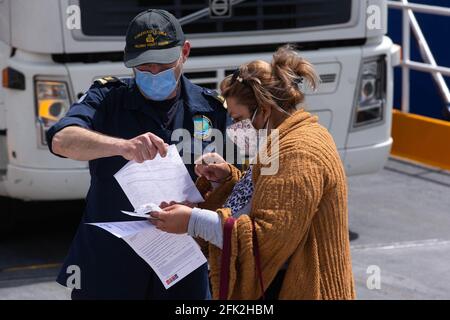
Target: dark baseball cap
153 36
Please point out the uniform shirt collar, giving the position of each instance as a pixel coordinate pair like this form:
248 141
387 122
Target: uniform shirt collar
194 96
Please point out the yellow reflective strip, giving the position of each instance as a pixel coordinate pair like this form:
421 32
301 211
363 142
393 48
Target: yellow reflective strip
32 267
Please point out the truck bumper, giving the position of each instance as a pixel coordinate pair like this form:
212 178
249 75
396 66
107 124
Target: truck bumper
367 159
41 184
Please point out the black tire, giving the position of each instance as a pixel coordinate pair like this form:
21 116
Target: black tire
7 216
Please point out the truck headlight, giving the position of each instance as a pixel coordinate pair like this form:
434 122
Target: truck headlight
371 97
52 102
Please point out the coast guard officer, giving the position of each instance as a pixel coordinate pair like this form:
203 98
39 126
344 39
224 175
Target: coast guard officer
132 119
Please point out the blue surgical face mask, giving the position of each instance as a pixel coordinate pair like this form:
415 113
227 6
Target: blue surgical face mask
156 86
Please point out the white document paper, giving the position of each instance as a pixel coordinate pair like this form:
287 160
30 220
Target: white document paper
123 228
144 211
161 179
171 256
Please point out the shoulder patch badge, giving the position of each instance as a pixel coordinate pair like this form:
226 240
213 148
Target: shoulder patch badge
202 127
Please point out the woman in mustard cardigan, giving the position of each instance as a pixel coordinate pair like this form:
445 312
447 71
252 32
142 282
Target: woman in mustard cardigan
298 214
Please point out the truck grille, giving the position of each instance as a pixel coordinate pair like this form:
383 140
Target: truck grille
211 78
111 17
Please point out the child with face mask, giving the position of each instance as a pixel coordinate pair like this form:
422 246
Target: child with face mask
283 235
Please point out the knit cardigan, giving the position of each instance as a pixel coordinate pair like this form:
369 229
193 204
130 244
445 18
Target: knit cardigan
300 216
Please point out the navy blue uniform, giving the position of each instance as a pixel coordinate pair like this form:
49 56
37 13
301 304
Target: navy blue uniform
110 269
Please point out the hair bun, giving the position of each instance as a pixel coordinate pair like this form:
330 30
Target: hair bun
279 84
289 68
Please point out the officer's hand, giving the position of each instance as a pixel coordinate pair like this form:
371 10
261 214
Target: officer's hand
173 219
144 147
213 167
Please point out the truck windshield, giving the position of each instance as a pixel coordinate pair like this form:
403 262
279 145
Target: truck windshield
111 17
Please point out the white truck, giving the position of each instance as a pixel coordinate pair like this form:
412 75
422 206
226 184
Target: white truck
47 64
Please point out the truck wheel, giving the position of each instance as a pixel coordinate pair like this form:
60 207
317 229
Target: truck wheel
7 216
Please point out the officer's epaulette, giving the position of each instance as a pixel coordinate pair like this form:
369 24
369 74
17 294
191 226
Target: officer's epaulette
216 95
105 80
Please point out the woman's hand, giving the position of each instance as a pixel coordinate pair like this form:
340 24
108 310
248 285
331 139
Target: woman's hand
213 167
171 203
173 219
